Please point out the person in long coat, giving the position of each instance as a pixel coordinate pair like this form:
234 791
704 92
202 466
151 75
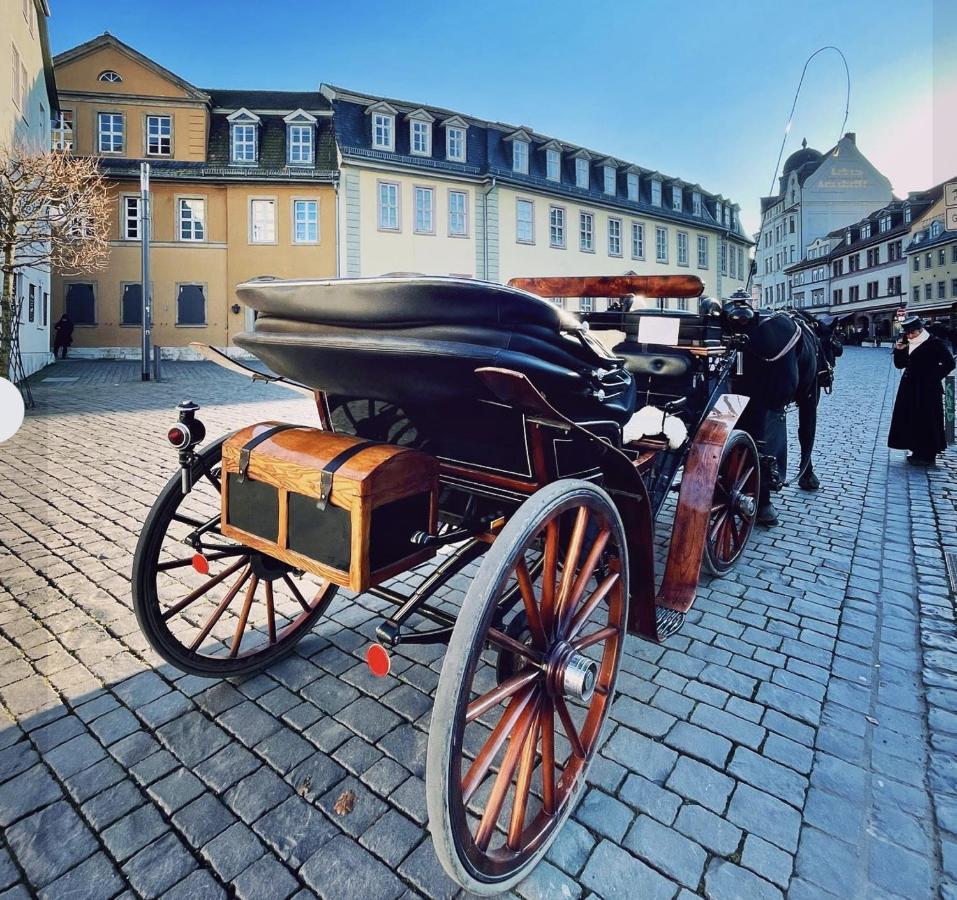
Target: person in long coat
918 420
63 335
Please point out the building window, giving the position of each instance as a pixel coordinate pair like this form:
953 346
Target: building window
873 289
556 227
159 135
61 132
928 289
915 294
192 219
458 214
388 206
610 176
300 144
420 137
525 221
732 263
244 143
893 285
853 293
837 295
873 256
941 290
676 198
520 157
865 231
723 258
941 257
637 240
31 303
109 76
655 192
682 248
632 182
791 224
553 165
586 232
305 221
262 221
916 263
131 218
614 237
80 303
131 304
741 263
586 304
854 262
953 287
383 131
581 173
885 223
455 143
928 260
424 206
953 254
702 252
661 244
110 130
190 304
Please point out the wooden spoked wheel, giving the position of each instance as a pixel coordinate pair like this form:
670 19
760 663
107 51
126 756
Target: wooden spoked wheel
208 605
507 759
734 504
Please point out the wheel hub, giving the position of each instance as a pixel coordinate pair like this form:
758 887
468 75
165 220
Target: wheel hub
746 505
571 674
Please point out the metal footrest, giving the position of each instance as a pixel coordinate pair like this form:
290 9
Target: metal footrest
668 621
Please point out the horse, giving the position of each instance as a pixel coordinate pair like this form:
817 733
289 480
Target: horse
788 357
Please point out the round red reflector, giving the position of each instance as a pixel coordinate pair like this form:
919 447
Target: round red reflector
378 660
200 564
177 436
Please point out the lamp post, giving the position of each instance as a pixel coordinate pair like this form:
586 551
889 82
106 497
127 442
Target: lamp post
145 267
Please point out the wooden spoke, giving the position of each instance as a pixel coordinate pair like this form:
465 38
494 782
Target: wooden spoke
588 608
214 618
499 693
531 606
719 523
188 561
584 576
504 640
717 508
595 638
503 728
548 575
571 732
211 583
504 778
296 593
523 783
244 615
571 563
270 613
744 479
548 756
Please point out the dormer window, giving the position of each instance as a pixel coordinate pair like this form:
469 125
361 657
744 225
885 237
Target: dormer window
727 215
582 178
420 132
109 76
632 185
865 231
610 174
244 137
655 192
696 203
847 236
300 138
553 164
907 215
676 198
520 156
455 139
885 223
383 126
935 229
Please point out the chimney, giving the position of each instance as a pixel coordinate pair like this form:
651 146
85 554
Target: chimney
852 137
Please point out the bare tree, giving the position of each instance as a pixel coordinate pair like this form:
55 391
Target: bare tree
55 213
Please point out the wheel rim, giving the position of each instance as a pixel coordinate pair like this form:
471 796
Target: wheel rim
734 504
529 739
232 605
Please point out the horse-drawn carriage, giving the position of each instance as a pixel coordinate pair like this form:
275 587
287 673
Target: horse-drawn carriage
463 429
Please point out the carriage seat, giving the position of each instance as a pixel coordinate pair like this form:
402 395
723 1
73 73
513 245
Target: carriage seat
418 340
661 375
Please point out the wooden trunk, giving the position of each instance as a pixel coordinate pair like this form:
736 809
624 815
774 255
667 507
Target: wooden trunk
360 534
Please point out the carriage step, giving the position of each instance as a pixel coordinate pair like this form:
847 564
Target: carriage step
668 621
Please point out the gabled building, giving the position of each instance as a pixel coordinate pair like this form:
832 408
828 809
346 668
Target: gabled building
243 184
809 279
932 263
28 99
432 190
817 194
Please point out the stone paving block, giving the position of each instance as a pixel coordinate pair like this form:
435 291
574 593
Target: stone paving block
315 775
834 814
74 755
423 869
824 860
614 874
899 871
767 861
50 842
838 777
159 866
713 832
730 726
198 885
295 830
26 793
94 879
392 837
223 769
648 797
133 832
175 790
154 767
8 870
571 848
704 745
192 738
768 776
604 814
788 753
546 882
256 794
696 781
265 878
342 868
665 849
765 816
284 750
640 754
726 881
202 819
232 851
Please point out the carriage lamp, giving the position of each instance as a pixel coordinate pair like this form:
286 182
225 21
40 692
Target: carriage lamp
184 436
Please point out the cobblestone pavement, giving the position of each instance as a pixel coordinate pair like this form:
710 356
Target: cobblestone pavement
797 736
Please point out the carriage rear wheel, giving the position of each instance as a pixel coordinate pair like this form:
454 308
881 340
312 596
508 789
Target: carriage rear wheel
507 759
208 605
734 504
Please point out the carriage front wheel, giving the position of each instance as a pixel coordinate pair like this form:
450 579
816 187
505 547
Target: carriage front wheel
508 753
734 504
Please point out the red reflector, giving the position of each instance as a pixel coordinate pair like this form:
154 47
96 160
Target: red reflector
378 660
201 564
177 436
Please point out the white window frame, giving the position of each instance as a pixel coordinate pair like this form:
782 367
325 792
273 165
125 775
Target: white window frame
246 143
702 251
557 226
633 187
126 218
553 164
610 180
586 304
304 220
111 132
582 173
637 240
677 198
586 230
453 134
453 232
696 203
252 206
661 244
159 136
524 203
380 207
683 257
61 130
196 223
520 156
383 131
423 191
655 192
301 143
110 76
614 236
420 129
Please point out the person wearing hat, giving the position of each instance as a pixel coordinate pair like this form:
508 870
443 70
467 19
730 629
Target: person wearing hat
918 420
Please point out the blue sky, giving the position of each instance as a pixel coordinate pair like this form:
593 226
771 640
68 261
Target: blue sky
697 90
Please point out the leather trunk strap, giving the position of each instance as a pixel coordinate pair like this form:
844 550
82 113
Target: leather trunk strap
325 476
252 443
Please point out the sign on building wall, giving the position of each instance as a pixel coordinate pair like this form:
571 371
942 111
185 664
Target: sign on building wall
950 201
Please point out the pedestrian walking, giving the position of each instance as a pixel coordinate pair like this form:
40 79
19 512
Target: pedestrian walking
63 335
918 420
